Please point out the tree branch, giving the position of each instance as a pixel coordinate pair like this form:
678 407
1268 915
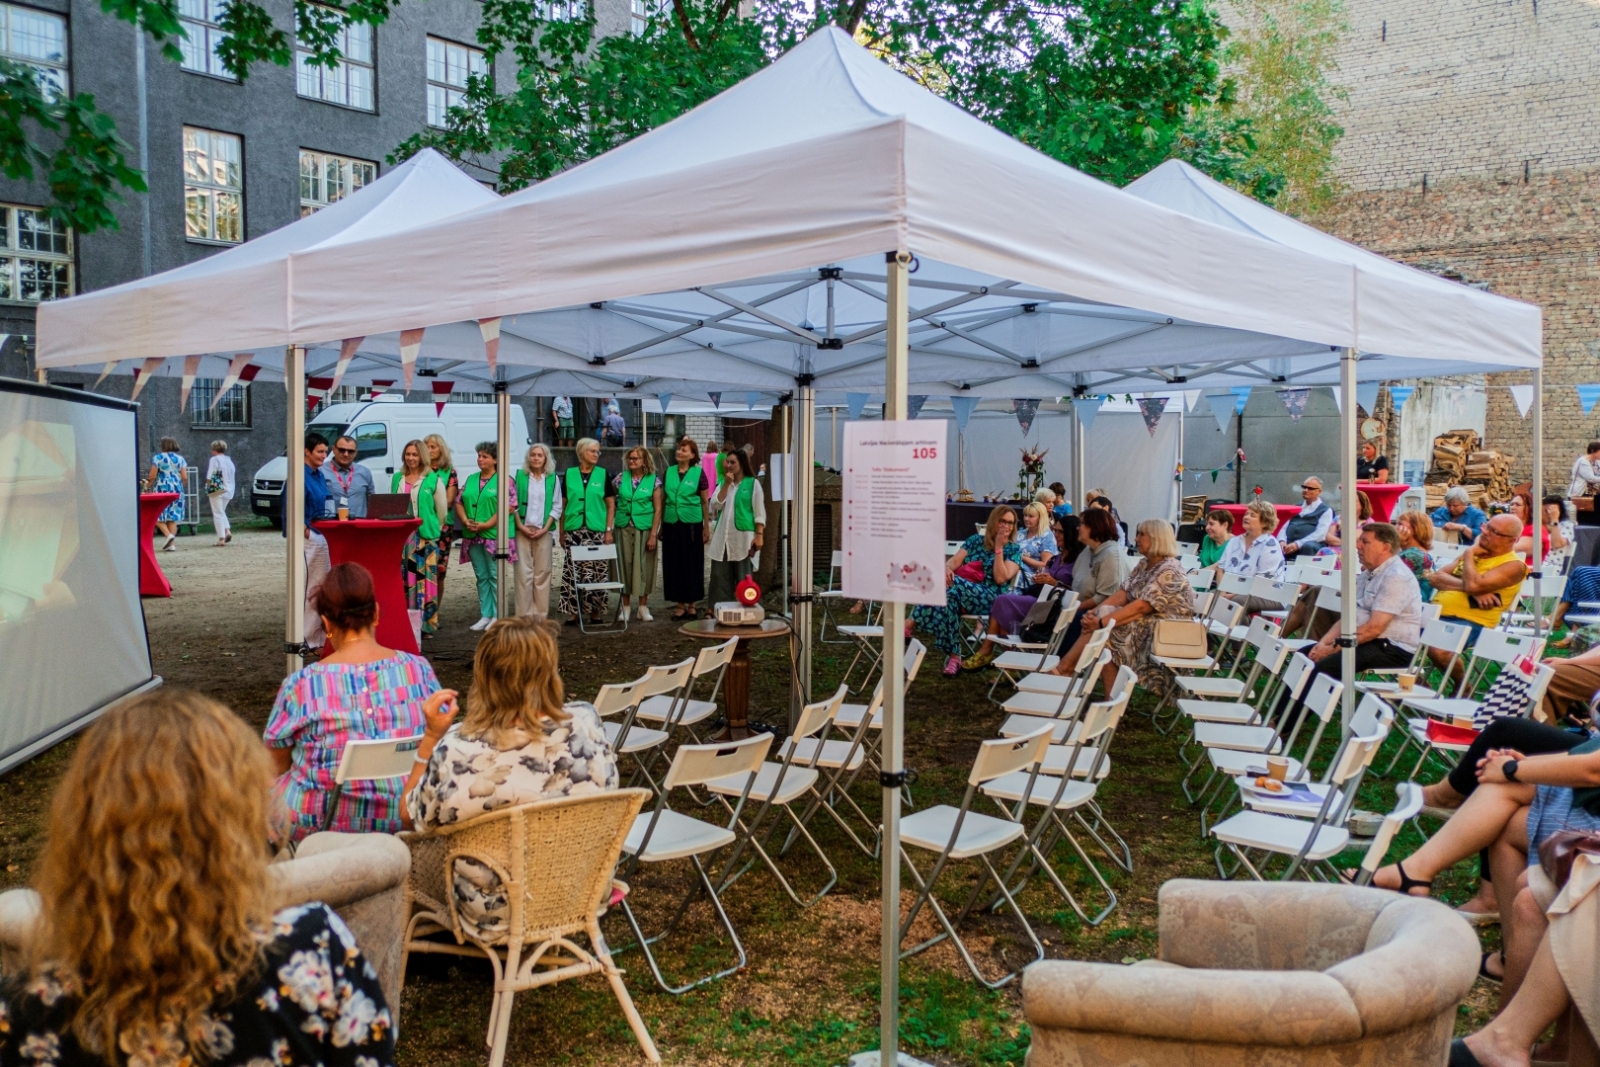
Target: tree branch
726 8
852 16
683 24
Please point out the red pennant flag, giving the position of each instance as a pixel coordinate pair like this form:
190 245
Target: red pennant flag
441 394
410 345
316 389
248 372
379 386
490 328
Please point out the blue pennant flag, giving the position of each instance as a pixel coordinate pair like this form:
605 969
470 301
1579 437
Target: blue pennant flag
1221 409
1367 396
1587 395
664 399
1400 394
963 406
750 400
855 402
914 405
1241 397
1086 409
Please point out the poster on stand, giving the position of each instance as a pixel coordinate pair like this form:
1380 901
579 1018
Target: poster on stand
893 526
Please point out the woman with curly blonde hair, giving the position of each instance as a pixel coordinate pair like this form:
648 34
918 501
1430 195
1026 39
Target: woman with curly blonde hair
157 943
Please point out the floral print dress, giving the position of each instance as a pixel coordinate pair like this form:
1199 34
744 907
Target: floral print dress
316 1002
964 597
468 776
169 479
1166 589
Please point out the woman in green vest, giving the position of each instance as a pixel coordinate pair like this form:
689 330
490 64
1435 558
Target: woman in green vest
538 512
638 527
739 509
685 529
587 517
477 514
422 552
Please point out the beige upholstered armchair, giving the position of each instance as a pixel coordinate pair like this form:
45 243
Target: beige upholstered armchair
360 876
1264 974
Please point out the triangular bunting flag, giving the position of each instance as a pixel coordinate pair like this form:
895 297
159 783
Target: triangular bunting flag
191 370
716 400
1085 409
379 387
963 407
110 366
410 345
316 391
1366 396
1338 398
1399 394
1523 395
347 352
665 400
1241 397
1191 397
750 400
235 365
1025 408
1587 395
914 406
441 394
141 374
248 372
1295 401
1152 408
1221 409
855 403
490 328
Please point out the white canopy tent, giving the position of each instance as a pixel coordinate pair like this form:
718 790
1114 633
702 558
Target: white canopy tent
773 238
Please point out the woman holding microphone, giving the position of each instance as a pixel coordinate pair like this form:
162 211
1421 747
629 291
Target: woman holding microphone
685 529
638 526
538 511
739 510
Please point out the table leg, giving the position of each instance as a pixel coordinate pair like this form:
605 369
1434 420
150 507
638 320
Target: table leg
736 693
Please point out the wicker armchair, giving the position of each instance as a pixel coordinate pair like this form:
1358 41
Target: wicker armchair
555 859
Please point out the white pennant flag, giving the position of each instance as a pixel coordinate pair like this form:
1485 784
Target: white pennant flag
1523 395
1221 409
1191 397
410 345
490 328
1367 396
235 368
347 352
110 366
1338 398
141 374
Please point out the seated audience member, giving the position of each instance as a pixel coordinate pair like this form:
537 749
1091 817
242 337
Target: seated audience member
1416 546
1097 499
1307 532
1156 589
992 560
1550 536
1583 587
521 741
1038 542
1482 583
1363 516
1555 513
1459 516
361 691
157 942
1063 506
1371 467
1586 473
1099 569
1508 1039
1255 553
1219 531
1046 496
1009 609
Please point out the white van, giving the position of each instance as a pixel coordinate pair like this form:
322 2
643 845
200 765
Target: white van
381 428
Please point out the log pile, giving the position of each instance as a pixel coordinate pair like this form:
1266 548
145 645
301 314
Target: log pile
1460 459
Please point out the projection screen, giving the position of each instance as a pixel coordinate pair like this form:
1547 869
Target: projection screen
72 631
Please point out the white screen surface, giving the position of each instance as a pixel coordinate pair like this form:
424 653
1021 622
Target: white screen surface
72 631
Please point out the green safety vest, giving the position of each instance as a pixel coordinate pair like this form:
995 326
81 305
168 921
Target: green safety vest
429 516
585 506
682 501
744 512
521 482
480 498
635 507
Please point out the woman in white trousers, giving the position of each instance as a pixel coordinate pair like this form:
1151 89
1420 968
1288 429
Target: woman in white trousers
539 510
219 473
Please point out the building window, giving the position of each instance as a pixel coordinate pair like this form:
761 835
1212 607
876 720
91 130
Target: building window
449 67
348 82
643 10
36 39
36 260
232 410
199 20
563 10
213 186
326 179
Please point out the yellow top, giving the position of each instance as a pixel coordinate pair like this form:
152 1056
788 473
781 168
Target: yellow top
1454 603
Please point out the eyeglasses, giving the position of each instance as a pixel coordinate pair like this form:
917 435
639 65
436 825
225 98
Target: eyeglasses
345 451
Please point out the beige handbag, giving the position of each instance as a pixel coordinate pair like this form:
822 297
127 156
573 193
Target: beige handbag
1179 639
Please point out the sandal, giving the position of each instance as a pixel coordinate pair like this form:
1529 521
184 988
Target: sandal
1407 883
952 666
978 661
1483 968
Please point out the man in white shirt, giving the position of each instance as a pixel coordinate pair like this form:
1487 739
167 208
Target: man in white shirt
1307 532
1586 472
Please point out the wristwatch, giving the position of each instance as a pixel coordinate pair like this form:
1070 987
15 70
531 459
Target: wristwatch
1509 769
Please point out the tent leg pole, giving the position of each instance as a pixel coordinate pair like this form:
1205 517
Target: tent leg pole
294 511
893 674
1348 528
1080 465
804 480
505 469
1538 503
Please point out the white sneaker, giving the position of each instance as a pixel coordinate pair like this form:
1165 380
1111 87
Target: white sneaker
643 614
482 624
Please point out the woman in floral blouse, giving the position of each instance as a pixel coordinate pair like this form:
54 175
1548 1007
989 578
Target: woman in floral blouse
982 568
520 742
156 944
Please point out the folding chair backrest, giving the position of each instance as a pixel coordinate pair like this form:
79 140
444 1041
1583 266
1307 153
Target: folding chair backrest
384 757
1189 563
835 562
668 679
1002 755
1359 750
1296 674
1262 633
1225 611
1325 564
617 697
1367 714
1284 592
1092 647
1273 656
1235 584
1446 636
591 553
915 653
715 657
1330 599
815 716
1498 647
1410 804
1431 612
699 764
1543 674
1322 696
1322 579
1122 685
1201 581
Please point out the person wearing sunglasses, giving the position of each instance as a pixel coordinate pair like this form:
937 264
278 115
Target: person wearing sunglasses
349 482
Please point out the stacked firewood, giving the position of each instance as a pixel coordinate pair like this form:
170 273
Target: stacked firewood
1460 459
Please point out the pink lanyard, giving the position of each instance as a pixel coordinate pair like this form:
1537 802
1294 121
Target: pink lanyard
347 481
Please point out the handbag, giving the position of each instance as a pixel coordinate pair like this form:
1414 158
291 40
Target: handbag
1179 639
1557 852
972 571
215 483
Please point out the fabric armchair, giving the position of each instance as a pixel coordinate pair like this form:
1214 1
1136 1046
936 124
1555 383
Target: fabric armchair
1273 973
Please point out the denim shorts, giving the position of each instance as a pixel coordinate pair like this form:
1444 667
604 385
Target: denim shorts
1474 628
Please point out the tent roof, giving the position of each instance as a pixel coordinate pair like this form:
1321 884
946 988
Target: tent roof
238 300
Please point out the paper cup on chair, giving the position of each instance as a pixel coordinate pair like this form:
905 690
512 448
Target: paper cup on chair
1278 767
1408 682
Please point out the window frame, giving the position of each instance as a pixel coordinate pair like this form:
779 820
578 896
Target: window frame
12 254
64 67
346 177
203 417
370 64
208 26
221 242
430 83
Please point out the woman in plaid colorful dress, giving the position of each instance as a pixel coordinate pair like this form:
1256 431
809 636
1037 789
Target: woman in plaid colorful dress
361 692
991 562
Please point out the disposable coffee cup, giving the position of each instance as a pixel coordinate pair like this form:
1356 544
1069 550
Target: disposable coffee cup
1462 722
1407 682
1277 767
344 513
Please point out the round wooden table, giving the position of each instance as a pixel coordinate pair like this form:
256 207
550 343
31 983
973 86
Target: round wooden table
736 683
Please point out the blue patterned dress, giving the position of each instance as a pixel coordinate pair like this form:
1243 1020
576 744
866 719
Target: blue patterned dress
964 597
169 479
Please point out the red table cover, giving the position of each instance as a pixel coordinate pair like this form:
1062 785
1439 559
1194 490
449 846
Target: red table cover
1383 497
151 581
378 545
1285 513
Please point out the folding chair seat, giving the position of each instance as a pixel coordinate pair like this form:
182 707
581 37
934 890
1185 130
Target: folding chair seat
959 833
1447 708
1448 637
1270 658
627 737
849 716
1056 684
684 710
1212 687
840 760
663 835
1061 711
372 760
1257 740
608 555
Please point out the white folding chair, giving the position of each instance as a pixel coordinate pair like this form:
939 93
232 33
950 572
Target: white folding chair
1445 709
1447 637
847 719
712 660
1201 581
1281 592
1496 648
868 637
1205 688
606 554
1028 657
829 596
959 833
1064 710
1270 656
627 737
376 760
1548 590
662 835
1406 809
1220 619
1054 685
1265 738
